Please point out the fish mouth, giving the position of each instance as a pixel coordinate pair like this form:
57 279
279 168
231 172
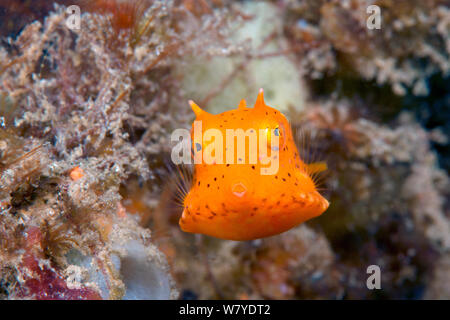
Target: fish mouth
325 203
321 201
314 200
183 222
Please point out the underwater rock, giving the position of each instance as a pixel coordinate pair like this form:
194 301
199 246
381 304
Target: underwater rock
142 279
85 123
411 45
142 266
257 45
438 287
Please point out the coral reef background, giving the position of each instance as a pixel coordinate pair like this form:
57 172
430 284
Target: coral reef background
86 209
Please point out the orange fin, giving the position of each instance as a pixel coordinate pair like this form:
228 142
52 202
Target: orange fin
316 167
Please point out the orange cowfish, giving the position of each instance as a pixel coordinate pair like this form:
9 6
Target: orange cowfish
235 200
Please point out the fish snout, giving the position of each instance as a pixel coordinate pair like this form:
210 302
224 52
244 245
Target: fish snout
320 202
313 200
325 203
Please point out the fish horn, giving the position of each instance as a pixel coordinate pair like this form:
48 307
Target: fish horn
197 110
260 99
242 104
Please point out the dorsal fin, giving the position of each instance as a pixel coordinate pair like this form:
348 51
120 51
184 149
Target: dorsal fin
316 167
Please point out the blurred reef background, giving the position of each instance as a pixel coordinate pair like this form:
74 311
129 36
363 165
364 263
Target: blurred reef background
85 121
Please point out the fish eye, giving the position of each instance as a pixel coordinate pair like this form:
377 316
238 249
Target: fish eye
280 132
198 146
276 132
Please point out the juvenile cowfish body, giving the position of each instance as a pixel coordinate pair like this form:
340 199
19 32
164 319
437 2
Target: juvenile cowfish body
236 201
